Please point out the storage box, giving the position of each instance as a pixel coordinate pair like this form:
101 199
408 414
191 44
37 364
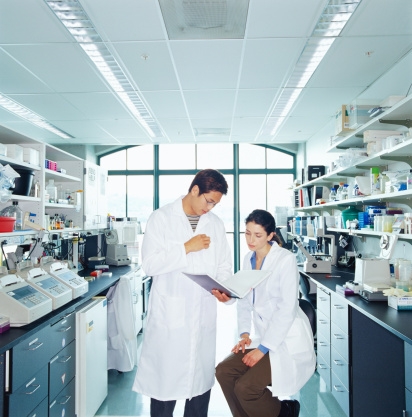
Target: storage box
15 152
358 113
31 156
315 171
391 101
342 121
400 303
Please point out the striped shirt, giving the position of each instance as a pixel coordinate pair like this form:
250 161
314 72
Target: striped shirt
193 220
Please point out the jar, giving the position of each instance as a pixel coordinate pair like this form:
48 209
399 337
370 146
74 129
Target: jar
387 223
405 271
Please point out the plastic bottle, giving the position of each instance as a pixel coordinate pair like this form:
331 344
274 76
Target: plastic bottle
345 192
409 180
51 190
332 194
16 212
374 174
383 179
339 191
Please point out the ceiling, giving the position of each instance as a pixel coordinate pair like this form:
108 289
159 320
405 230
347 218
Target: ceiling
198 90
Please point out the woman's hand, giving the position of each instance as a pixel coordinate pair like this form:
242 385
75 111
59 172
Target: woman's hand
243 342
253 357
221 296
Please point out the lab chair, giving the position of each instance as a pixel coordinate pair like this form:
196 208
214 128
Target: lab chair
310 311
304 288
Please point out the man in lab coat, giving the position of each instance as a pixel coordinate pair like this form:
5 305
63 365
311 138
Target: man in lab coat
178 352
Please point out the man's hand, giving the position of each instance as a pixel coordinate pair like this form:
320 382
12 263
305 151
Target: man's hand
243 342
221 296
253 357
197 243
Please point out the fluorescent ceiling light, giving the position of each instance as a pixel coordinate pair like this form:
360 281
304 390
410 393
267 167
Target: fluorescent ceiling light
329 26
75 19
23 112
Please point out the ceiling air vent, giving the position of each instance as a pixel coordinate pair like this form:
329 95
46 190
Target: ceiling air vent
212 132
205 19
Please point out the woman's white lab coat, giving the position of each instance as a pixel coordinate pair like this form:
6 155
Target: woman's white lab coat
121 329
280 325
179 340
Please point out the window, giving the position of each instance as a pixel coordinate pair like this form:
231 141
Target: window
143 178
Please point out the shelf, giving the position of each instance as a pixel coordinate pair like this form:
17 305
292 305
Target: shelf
368 232
5 160
400 111
63 206
23 198
58 176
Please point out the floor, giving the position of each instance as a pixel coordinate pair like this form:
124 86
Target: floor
122 401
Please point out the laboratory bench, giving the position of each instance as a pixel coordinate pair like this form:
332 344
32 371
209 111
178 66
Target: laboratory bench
42 366
364 350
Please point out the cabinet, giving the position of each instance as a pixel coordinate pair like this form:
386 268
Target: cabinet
323 335
408 379
50 356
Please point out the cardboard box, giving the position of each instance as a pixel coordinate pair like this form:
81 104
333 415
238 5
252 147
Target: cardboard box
400 303
15 152
342 121
31 156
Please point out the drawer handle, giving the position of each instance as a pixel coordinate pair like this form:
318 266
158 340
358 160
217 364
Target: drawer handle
321 366
337 362
65 360
323 322
67 399
323 298
336 388
35 389
338 307
338 336
323 344
36 346
65 329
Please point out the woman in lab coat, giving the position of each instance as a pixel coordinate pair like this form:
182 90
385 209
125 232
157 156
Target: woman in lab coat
282 351
179 341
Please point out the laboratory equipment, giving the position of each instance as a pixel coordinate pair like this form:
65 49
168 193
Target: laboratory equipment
60 270
59 293
314 264
116 253
91 364
21 301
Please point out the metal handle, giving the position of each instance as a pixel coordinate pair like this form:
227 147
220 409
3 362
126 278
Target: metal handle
65 360
323 344
323 322
37 345
337 336
67 399
337 362
335 387
322 366
65 329
338 307
35 389
323 299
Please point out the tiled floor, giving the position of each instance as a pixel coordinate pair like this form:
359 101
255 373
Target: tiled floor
122 401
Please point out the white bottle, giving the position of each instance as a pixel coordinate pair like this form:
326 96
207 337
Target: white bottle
51 190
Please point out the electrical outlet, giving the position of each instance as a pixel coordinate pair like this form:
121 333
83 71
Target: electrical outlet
349 254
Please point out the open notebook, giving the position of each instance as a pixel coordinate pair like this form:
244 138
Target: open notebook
237 286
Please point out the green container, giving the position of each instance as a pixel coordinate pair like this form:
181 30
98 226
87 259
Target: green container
351 213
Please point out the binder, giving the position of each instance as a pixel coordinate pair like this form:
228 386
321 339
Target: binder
238 286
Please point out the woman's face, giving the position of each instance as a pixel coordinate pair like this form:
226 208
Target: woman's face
256 236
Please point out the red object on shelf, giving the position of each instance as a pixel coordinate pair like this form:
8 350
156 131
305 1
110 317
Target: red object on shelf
7 224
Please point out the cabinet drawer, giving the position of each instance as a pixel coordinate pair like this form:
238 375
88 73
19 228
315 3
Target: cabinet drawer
340 367
340 341
408 366
41 410
340 393
30 394
62 333
64 403
324 372
62 369
324 348
323 302
408 401
339 312
31 354
323 325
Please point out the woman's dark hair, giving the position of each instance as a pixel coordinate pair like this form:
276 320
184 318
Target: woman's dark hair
266 220
209 180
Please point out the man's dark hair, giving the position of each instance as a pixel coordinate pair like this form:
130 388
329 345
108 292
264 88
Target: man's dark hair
209 180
